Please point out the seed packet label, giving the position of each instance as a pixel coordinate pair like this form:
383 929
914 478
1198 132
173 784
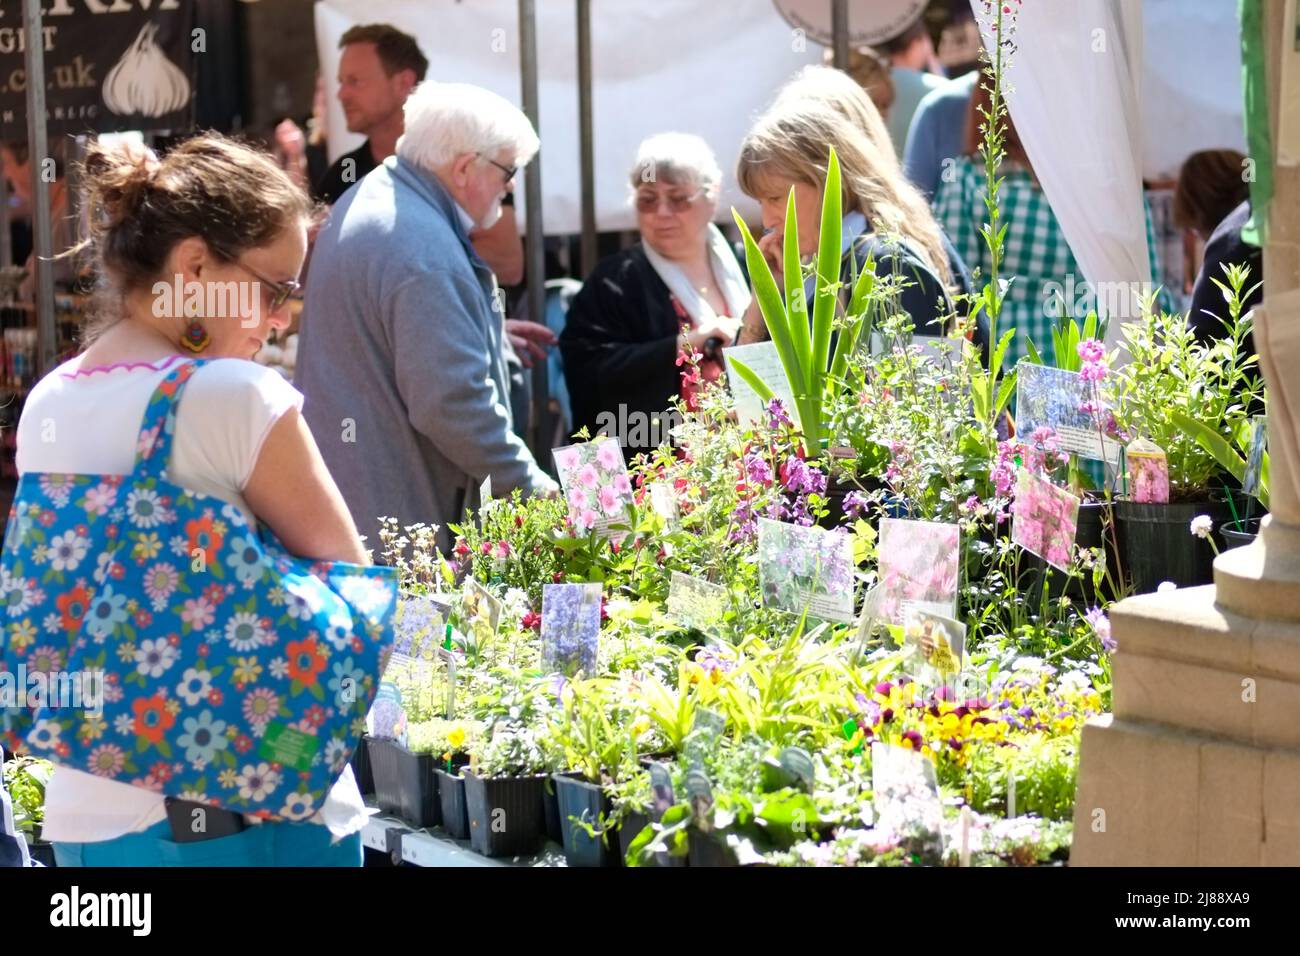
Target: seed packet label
596 485
663 502
1059 399
480 613
763 360
937 646
1045 518
418 624
1251 479
570 627
1148 472
387 717
283 744
695 602
806 569
918 568
448 657
905 792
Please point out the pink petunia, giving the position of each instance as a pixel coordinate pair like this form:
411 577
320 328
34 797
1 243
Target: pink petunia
589 476
566 459
610 502
622 485
609 455
588 519
578 498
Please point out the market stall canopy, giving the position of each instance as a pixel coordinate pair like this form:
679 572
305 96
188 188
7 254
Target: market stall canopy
1077 83
674 65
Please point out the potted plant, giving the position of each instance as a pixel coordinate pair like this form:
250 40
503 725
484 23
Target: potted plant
460 737
25 779
1170 380
599 741
505 787
1232 458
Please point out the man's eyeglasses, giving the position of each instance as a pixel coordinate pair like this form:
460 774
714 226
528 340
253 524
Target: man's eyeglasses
508 170
649 202
280 291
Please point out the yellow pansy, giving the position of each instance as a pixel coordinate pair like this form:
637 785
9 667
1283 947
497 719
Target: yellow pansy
456 737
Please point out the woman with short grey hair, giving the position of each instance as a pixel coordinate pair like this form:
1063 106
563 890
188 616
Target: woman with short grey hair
679 288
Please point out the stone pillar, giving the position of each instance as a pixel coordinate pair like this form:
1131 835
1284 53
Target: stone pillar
1199 765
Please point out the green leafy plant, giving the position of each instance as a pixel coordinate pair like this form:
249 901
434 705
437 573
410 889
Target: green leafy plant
25 778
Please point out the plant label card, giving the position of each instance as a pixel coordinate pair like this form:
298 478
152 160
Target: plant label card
570 627
763 360
485 496
596 485
387 716
937 645
919 564
663 502
1045 519
869 619
695 602
1251 478
419 624
1058 399
480 613
447 655
1148 472
661 789
905 791
806 569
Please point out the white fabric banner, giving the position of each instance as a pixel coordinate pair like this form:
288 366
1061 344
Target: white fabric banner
685 65
1075 100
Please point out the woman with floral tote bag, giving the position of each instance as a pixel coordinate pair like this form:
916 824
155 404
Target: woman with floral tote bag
197 255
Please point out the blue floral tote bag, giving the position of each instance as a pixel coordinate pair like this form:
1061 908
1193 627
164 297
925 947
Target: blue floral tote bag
232 673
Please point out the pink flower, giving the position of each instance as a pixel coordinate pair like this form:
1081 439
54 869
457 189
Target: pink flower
610 502
589 476
609 455
100 498
622 485
588 519
1091 350
1092 372
197 613
566 459
578 498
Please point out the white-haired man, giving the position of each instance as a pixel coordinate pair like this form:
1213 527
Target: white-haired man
402 352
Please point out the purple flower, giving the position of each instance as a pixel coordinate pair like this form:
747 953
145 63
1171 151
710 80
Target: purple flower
757 469
776 412
1101 624
799 476
1092 372
855 502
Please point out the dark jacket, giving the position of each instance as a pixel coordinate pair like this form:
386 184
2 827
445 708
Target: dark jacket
619 346
1225 247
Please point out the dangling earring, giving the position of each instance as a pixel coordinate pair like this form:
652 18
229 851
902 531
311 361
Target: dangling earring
196 337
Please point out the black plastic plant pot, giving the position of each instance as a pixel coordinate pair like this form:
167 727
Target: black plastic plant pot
551 812
1234 537
405 783
629 829
1089 533
451 797
506 816
1158 545
707 849
361 768
584 802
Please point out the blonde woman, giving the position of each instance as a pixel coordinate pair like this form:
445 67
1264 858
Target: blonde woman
884 218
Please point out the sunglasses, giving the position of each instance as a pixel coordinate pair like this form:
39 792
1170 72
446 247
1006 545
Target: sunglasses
280 291
649 202
508 170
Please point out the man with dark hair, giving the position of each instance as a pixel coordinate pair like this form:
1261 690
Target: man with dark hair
379 67
912 58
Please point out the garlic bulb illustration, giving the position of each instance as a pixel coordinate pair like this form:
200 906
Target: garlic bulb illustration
144 81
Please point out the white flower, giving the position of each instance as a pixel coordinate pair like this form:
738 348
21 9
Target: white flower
194 796
154 657
1166 586
256 782
1203 526
180 546
102 563
45 735
244 632
67 551
195 685
339 633
278 667
52 623
122 724
334 754
144 510
297 806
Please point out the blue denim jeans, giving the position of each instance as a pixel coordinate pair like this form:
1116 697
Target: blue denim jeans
271 844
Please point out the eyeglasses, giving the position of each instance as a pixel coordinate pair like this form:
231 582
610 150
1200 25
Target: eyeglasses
649 202
280 291
508 170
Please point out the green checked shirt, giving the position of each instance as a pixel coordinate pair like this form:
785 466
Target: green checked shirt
1035 251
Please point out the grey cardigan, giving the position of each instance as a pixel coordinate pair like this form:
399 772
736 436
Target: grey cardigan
402 358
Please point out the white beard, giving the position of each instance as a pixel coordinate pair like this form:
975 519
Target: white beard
491 217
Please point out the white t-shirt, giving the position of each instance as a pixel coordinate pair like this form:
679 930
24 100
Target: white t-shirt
85 420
